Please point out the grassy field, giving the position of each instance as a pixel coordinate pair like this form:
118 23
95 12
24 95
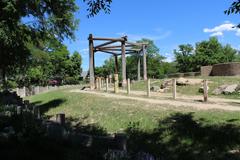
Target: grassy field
193 90
115 115
163 131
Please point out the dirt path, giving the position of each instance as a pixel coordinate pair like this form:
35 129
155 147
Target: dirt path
165 99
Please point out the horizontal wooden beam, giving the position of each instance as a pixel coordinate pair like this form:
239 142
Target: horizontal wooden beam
106 39
128 53
109 47
109 52
137 44
117 49
104 44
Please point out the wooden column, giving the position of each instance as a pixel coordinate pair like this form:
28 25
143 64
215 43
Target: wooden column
107 84
123 64
144 62
91 61
116 90
139 69
116 64
128 86
205 90
174 85
148 87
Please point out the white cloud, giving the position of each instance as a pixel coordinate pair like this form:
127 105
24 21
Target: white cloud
225 27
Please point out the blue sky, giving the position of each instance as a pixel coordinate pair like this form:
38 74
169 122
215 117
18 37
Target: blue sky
168 23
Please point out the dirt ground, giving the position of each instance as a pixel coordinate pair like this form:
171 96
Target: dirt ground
195 102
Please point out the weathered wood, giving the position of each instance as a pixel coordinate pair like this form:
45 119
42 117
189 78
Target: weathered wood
139 69
104 44
144 62
109 52
205 90
110 79
107 39
123 65
116 89
116 64
128 86
148 87
100 83
118 49
91 62
107 84
60 118
136 44
174 90
118 46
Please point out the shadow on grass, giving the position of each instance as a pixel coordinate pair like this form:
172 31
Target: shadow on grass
49 105
181 137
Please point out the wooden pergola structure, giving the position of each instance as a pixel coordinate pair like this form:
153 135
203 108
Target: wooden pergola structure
117 47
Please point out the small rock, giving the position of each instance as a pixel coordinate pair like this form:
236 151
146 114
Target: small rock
219 90
230 89
155 88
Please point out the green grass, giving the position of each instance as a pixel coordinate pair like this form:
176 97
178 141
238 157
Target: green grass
193 90
115 115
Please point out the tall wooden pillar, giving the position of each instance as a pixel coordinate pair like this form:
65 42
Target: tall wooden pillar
144 62
139 69
124 77
91 61
116 64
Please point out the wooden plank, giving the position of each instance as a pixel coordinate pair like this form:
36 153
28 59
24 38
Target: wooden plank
107 39
109 47
117 49
136 44
109 52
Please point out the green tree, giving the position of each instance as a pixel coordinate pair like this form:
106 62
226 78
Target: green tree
234 9
27 21
184 58
75 69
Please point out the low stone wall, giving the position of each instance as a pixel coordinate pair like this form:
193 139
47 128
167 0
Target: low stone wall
226 69
33 90
223 69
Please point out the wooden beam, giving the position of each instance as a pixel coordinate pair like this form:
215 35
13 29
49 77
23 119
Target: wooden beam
124 76
110 47
136 44
108 39
116 64
109 52
105 44
144 62
91 62
116 49
139 69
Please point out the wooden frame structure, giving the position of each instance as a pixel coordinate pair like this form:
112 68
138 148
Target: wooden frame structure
112 46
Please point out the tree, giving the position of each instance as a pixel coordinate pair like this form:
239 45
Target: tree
75 69
184 58
27 21
234 9
95 6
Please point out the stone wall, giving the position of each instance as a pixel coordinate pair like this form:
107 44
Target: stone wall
223 69
206 70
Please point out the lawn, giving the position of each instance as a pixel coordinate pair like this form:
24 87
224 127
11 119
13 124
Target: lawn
115 115
166 132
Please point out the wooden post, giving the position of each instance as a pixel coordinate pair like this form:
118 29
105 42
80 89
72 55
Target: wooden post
100 83
174 85
123 64
144 62
116 64
148 87
91 61
205 90
139 69
60 118
110 79
128 86
116 90
107 84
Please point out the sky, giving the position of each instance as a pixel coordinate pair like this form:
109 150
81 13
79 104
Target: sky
168 23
